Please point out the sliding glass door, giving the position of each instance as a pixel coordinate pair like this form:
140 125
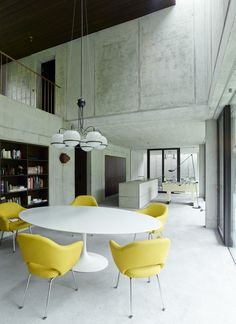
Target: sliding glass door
163 164
224 175
233 184
221 215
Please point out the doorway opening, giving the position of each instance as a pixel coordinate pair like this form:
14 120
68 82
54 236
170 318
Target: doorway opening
48 86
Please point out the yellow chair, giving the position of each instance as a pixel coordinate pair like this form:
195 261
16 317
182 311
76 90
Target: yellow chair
84 201
47 259
10 221
141 259
159 211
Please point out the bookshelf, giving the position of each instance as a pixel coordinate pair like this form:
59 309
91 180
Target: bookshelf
24 174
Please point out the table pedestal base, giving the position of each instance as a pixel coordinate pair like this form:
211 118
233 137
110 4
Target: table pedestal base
91 262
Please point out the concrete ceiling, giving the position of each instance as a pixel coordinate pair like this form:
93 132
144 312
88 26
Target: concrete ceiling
155 135
152 129
30 26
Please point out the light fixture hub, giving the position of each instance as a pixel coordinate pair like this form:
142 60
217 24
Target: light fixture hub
81 102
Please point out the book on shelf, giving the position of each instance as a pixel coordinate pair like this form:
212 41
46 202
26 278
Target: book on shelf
38 169
13 199
6 187
35 182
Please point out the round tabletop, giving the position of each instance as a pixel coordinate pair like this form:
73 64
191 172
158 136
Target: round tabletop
90 220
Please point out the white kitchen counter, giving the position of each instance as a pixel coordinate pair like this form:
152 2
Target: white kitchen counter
137 193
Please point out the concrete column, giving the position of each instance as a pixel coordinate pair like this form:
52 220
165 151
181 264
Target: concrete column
211 174
201 161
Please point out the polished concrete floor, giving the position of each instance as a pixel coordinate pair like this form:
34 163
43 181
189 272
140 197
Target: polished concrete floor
198 282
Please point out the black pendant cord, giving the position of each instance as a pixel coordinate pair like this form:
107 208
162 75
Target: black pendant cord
86 17
81 47
70 48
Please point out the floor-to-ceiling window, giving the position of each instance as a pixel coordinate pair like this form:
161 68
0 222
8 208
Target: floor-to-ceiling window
163 164
173 164
233 183
224 175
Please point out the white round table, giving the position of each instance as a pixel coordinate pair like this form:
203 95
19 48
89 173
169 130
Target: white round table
90 220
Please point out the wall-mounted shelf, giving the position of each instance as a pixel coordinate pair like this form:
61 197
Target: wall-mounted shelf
29 169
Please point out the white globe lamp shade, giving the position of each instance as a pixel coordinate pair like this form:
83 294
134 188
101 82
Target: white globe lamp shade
71 138
94 139
103 145
57 140
85 146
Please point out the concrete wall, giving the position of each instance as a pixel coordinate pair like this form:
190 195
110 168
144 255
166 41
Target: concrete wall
222 30
142 55
25 87
211 174
98 168
201 163
159 61
24 124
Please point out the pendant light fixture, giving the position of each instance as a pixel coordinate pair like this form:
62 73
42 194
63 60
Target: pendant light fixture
88 138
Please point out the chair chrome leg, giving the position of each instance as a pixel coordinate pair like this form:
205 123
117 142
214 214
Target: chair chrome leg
131 298
26 288
48 297
159 284
135 236
149 280
30 230
1 237
14 241
75 281
118 279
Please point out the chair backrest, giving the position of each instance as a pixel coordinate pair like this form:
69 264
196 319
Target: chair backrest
85 200
156 210
9 210
42 251
140 253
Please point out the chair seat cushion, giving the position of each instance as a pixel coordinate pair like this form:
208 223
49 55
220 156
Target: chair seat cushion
143 272
42 271
17 225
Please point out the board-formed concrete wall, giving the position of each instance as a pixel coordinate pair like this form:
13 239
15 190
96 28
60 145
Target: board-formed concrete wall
154 62
160 61
211 174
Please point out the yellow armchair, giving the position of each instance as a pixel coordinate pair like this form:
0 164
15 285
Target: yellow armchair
10 221
157 210
140 259
85 200
47 259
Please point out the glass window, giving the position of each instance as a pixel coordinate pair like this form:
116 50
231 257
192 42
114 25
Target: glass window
187 172
156 165
170 165
233 182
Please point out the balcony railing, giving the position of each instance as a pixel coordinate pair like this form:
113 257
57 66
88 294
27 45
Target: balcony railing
21 83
